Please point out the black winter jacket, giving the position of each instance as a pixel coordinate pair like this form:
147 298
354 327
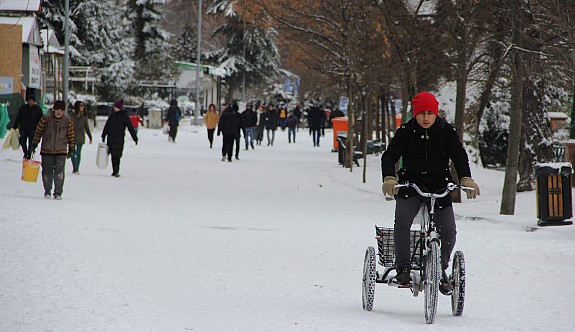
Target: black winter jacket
426 154
250 118
228 124
115 130
28 117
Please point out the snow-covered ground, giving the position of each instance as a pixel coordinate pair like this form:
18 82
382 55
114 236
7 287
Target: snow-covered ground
272 242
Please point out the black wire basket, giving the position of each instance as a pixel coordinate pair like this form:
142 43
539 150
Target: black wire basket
386 246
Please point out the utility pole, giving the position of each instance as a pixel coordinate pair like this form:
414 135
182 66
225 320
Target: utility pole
66 50
198 61
245 62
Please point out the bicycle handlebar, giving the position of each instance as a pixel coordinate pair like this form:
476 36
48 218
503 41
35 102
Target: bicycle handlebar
450 187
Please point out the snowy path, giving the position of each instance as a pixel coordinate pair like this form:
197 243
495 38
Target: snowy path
273 242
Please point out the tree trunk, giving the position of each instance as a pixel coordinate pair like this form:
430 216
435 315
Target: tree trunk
511 169
366 126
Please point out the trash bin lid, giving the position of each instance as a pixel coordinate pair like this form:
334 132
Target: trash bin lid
553 168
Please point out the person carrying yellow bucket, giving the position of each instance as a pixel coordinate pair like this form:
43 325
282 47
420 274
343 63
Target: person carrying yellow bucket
56 130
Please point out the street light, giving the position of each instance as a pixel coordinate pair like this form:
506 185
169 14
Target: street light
198 56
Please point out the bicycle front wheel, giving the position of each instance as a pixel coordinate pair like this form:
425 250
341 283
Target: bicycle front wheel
431 282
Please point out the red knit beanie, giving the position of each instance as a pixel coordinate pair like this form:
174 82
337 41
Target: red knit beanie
119 104
424 101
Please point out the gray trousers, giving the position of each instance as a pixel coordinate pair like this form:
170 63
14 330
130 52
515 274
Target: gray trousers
405 212
53 171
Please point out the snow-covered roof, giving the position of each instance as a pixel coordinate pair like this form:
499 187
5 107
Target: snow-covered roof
30 31
557 115
214 71
20 5
50 42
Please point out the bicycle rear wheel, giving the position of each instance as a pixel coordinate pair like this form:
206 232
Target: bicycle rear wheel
458 276
369 275
431 283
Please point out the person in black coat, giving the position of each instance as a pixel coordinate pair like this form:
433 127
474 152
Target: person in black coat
115 130
27 120
250 119
426 143
272 119
228 126
239 128
314 120
173 119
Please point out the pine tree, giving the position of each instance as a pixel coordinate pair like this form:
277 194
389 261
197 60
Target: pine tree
97 39
151 52
185 46
249 52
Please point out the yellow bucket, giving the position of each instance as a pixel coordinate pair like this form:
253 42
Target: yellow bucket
30 170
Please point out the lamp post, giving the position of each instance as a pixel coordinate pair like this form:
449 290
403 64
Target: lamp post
198 56
66 50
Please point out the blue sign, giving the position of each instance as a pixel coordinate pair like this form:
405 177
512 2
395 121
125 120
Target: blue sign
6 85
343 104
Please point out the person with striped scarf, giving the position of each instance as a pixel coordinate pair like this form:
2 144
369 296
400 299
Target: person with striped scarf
56 130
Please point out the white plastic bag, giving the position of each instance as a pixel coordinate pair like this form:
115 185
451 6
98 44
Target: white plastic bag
102 156
12 140
166 129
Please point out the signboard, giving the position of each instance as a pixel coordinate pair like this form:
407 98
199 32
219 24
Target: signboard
343 103
34 67
6 85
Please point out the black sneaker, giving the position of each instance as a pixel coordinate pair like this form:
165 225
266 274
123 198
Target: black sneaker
57 197
445 286
402 277
47 195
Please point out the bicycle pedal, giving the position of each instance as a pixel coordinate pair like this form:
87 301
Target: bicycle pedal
395 284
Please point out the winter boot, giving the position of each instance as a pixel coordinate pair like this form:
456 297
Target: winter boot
252 144
47 195
445 286
402 278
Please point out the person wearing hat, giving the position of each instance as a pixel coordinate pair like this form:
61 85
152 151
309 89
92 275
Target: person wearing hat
114 131
26 121
426 143
56 130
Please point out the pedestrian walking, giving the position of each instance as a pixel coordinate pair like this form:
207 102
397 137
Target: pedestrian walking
261 124
227 126
136 120
239 129
114 131
271 124
211 119
80 120
173 119
291 123
250 119
314 120
26 121
56 131
282 116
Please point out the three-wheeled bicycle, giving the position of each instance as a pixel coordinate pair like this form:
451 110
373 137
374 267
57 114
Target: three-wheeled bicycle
425 259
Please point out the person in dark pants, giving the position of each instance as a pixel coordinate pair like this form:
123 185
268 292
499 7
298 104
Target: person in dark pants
250 119
56 130
228 126
211 119
314 121
173 118
115 130
81 128
239 129
426 143
26 121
